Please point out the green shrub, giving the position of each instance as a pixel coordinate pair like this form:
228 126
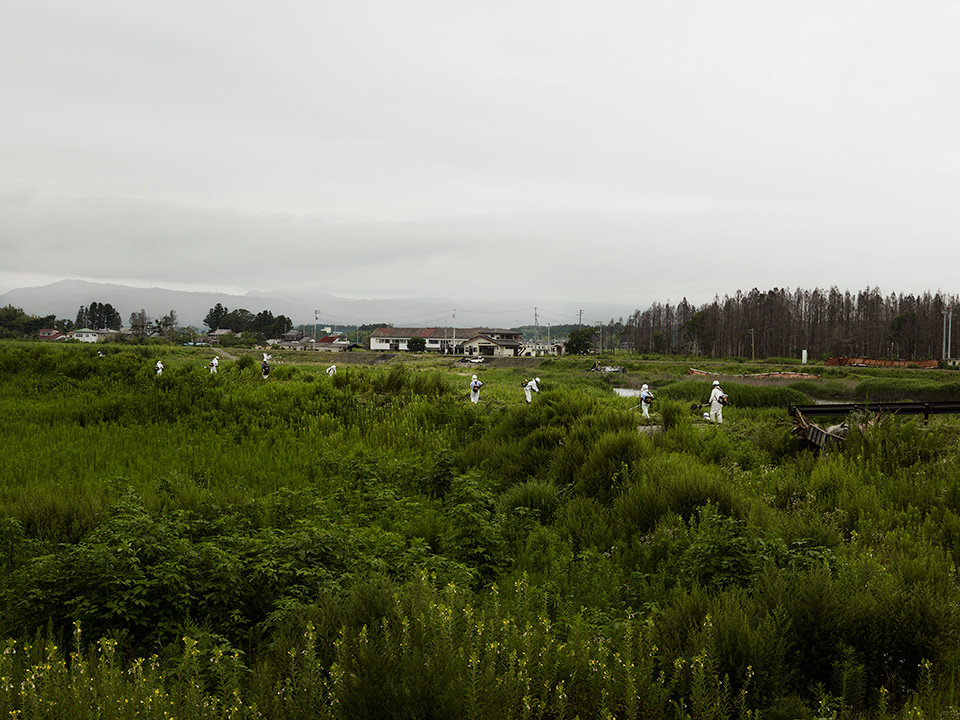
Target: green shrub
609 464
722 552
585 523
540 498
673 414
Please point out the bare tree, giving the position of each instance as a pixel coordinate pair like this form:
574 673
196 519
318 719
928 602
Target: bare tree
139 322
168 324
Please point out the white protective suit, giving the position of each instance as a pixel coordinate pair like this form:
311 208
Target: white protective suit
532 386
717 398
159 367
646 397
213 365
475 386
332 370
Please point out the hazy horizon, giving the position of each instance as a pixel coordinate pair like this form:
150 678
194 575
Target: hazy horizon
615 154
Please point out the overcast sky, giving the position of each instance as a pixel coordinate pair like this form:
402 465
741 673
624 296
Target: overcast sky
607 152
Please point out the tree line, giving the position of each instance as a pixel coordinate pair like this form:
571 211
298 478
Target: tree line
263 324
755 324
782 323
14 322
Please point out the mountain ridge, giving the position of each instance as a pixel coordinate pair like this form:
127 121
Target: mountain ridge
65 297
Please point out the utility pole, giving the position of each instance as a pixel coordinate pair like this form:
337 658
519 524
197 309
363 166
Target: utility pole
453 348
316 314
580 321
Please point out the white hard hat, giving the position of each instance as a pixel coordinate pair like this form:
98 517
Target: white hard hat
716 382
706 416
536 379
474 377
644 387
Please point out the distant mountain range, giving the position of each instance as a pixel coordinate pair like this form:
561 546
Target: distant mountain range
65 297
62 299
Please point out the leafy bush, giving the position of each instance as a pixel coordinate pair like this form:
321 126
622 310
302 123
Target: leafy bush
540 498
376 544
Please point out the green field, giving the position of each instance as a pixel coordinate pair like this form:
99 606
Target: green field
373 545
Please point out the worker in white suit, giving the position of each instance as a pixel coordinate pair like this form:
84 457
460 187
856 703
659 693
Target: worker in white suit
332 370
531 386
159 367
475 386
646 398
213 364
718 398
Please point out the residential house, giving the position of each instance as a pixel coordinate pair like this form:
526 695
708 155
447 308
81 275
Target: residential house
396 339
494 343
448 340
84 335
49 334
213 337
333 343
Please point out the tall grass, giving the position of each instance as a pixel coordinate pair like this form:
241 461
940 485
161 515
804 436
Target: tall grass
373 544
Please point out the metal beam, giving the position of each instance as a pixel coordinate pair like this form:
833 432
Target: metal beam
894 408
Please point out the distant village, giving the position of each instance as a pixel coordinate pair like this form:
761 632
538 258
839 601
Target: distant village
467 342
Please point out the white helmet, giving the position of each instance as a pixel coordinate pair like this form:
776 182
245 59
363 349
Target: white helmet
716 382
536 379
474 377
644 387
706 416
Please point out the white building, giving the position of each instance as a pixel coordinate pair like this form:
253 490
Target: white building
459 341
85 335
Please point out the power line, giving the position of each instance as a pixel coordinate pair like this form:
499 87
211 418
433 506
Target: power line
432 319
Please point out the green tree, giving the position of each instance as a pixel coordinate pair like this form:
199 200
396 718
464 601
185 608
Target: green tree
263 324
238 320
282 324
98 316
214 316
579 342
15 322
416 344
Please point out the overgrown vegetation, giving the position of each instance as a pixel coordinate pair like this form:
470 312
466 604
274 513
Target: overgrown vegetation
374 545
